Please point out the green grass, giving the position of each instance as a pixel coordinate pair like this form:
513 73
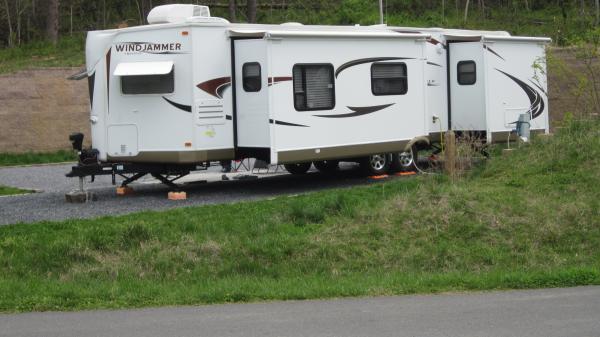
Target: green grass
69 52
524 221
6 190
28 158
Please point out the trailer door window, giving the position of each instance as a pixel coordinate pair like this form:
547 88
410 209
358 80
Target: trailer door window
313 87
251 77
148 84
467 74
389 79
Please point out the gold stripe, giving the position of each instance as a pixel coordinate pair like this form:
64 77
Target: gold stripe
339 152
177 157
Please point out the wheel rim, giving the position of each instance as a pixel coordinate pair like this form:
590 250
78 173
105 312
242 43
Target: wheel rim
377 161
406 158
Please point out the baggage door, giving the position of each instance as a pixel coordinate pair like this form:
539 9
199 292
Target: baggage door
251 89
467 86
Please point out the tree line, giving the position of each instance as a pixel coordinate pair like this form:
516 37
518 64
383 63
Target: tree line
22 21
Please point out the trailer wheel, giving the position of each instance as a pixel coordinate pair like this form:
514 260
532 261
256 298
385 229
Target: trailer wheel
403 161
376 164
327 166
299 168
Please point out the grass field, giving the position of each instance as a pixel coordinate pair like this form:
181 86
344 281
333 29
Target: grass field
69 52
29 158
6 190
524 221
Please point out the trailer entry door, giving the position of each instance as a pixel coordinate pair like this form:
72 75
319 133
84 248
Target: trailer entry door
252 93
467 83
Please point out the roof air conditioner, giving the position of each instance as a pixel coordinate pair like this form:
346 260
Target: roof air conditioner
176 13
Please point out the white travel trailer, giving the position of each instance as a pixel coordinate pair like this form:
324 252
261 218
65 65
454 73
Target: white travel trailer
188 89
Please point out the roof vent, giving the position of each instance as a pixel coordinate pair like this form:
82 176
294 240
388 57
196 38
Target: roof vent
176 13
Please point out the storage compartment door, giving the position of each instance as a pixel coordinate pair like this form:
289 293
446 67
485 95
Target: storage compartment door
122 140
467 86
252 98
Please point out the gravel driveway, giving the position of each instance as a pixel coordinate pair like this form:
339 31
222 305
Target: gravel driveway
51 184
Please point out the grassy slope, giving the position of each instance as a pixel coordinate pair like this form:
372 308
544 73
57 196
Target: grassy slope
28 158
530 220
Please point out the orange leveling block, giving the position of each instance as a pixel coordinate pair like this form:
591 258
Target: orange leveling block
177 195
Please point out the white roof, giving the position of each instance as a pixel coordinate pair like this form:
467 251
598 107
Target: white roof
324 33
143 68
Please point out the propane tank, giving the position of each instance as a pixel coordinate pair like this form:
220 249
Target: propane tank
523 126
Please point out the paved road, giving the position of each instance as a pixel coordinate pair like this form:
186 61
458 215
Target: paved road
572 312
50 203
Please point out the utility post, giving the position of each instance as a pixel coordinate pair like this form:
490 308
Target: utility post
450 155
381 12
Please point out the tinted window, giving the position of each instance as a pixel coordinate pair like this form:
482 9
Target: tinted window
467 73
251 77
148 84
389 79
313 87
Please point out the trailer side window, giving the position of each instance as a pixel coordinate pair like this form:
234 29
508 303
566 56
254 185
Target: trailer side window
313 87
148 84
389 79
251 77
467 74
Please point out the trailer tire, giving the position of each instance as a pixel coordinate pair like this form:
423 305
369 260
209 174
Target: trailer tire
298 168
403 161
376 164
327 166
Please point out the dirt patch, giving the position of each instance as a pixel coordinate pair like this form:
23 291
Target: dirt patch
40 107
570 87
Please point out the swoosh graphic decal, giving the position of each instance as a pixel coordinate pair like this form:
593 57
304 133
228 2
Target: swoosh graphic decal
367 60
435 42
215 86
538 86
221 89
275 80
536 101
434 64
286 123
358 111
183 107
228 117
493 52
108 81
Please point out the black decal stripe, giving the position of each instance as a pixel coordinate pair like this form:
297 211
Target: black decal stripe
221 89
358 111
493 52
183 107
108 81
536 101
434 64
538 86
367 60
91 82
228 117
286 123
